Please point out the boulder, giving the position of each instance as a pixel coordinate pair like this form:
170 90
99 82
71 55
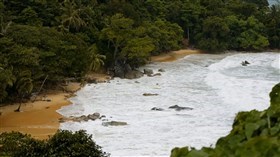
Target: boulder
133 74
114 123
161 70
150 94
157 74
148 71
94 116
157 109
245 63
119 71
80 119
179 108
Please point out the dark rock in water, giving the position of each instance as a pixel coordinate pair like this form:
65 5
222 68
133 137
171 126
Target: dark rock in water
133 74
148 71
114 123
149 94
179 108
136 82
103 116
245 63
94 116
82 118
157 109
157 74
161 70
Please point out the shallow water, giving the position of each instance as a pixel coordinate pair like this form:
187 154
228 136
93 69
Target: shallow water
215 86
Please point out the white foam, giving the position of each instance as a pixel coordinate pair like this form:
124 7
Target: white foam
216 93
276 63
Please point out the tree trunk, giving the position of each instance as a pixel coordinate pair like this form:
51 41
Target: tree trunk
40 88
20 102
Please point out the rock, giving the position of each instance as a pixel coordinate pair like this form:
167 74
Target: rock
136 82
149 94
157 109
148 71
62 120
179 108
103 116
94 116
82 118
119 71
161 70
245 63
114 123
133 74
157 74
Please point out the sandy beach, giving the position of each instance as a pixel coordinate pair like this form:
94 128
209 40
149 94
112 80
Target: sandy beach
174 55
40 118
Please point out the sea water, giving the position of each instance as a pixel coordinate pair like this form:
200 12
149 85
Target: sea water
217 87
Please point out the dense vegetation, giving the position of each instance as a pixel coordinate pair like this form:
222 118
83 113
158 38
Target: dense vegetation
63 143
254 133
58 39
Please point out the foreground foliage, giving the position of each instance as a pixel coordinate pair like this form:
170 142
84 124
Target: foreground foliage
63 143
254 133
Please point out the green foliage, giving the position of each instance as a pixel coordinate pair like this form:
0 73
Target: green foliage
66 143
214 34
63 143
254 133
18 144
68 38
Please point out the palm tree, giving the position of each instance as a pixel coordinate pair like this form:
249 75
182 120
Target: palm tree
96 60
71 16
24 86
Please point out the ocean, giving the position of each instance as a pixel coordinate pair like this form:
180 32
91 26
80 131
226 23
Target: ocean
216 86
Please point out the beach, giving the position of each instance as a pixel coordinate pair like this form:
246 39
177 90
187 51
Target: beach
40 118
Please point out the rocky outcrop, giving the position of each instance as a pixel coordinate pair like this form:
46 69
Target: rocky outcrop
150 94
157 109
114 123
134 74
179 108
148 71
82 118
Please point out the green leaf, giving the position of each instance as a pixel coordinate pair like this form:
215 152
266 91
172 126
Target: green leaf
250 128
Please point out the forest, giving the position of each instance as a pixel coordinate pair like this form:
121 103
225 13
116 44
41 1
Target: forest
54 40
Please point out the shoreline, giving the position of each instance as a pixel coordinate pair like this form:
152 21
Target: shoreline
40 119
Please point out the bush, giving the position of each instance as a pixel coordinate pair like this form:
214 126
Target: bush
63 143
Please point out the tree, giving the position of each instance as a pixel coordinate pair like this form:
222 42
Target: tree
214 34
70 18
117 32
24 86
96 60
